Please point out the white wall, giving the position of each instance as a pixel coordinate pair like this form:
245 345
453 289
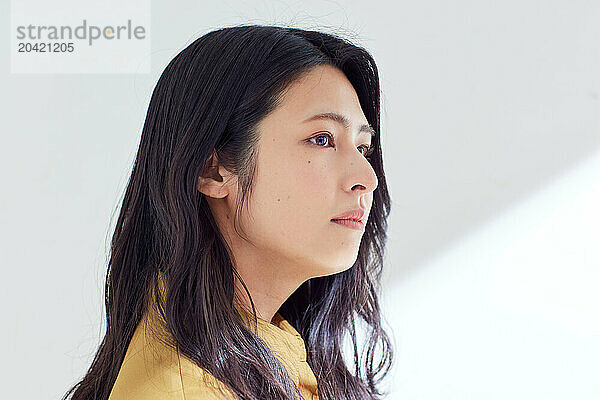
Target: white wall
511 309
491 120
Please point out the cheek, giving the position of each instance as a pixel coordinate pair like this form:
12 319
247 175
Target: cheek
299 222
292 182
297 178
298 192
311 175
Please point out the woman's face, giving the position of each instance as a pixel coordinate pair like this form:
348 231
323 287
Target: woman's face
305 178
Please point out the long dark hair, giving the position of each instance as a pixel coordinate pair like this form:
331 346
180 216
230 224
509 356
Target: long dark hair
210 98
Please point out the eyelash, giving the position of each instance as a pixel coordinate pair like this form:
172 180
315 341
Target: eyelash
366 154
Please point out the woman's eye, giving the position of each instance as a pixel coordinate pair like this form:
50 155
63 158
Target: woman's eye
367 152
323 135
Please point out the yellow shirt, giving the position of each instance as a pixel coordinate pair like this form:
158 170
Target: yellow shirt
154 371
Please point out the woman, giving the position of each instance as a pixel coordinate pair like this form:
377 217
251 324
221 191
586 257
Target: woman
234 270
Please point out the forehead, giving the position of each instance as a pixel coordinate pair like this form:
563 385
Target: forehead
320 90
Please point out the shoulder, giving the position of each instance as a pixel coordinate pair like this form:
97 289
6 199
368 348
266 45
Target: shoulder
152 370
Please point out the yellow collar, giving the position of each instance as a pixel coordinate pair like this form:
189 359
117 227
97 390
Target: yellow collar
288 346
280 331
281 337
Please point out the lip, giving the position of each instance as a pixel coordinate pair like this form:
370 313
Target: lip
356 214
350 223
353 219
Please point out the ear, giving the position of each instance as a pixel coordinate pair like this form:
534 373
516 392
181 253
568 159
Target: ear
211 182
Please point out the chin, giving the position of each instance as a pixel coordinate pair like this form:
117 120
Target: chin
332 270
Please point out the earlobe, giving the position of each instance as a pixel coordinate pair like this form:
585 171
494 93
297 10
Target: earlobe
212 185
213 173
211 181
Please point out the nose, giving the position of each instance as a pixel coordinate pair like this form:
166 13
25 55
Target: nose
360 175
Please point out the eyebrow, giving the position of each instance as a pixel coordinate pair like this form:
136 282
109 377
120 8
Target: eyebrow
342 119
